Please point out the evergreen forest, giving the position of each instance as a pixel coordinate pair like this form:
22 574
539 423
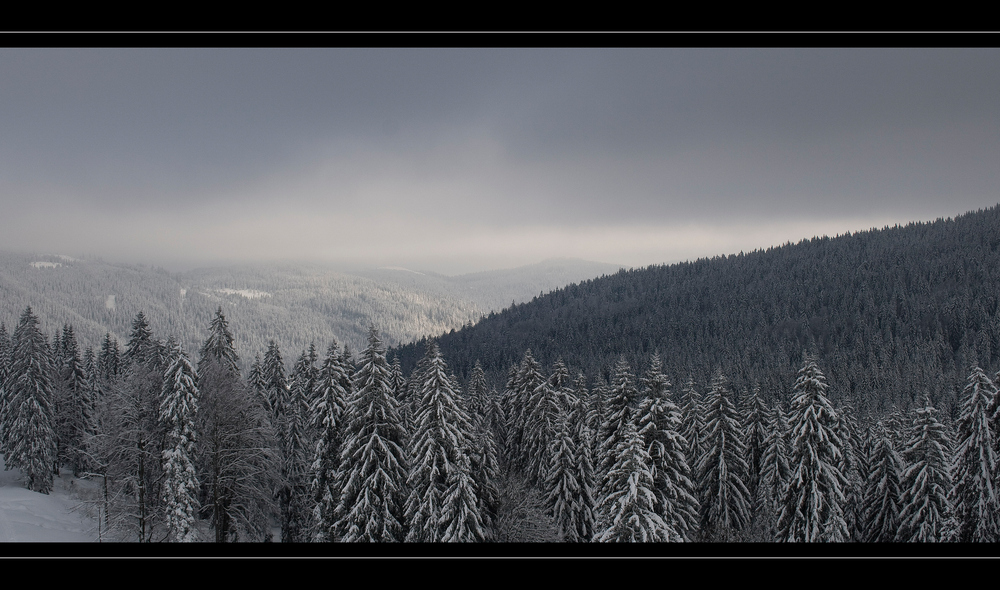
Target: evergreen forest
836 390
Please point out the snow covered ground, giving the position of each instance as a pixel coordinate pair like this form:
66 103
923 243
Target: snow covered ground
59 517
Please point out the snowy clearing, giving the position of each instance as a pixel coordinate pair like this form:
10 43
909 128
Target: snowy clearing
31 517
109 303
43 264
248 293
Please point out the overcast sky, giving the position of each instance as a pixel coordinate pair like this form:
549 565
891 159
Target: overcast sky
468 159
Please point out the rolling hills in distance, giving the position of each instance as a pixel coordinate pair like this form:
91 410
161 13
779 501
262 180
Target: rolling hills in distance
294 304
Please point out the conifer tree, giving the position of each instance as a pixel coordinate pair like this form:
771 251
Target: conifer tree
4 370
628 513
109 361
73 402
442 505
618 412
293 496
540 427
238 464
477 391
883 493
774 472
28 434
178 406
974 496
219 346
373 462
566 482
276 387
752 412
693 429
855 469
926 515
812 509
725 505
659 423
529 378
140 349
328 414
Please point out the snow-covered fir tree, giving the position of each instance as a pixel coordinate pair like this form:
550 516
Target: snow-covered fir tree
296 452
774 473
883 492
565 483
328 415
617 412
659 423
974 496
628 513
855 468
540 427
75 402
109 360
29 441
178 406
477 392
220 345
529 378
442 505
812 510
752 417
693 428
725 501
926 515
373 460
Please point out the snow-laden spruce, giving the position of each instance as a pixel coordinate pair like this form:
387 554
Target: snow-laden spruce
883 493
442 505
72 403
178 406
569 481
752 416
974 496
628 513
373 460
693 428
29 441
725 501
295 507
926 515
659 423
617 413
527 380
774 472
540 426
328 414
812 509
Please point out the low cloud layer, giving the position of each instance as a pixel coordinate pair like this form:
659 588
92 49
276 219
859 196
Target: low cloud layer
459 160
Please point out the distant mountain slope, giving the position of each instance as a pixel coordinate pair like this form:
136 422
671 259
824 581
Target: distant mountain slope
889 314
294 304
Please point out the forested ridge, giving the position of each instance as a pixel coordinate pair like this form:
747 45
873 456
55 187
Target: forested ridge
894 314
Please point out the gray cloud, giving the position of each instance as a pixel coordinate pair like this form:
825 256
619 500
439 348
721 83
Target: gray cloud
497 155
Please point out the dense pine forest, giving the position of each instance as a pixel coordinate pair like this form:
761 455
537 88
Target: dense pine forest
835 390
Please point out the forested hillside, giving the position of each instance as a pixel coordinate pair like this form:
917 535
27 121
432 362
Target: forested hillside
294 304
891 313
